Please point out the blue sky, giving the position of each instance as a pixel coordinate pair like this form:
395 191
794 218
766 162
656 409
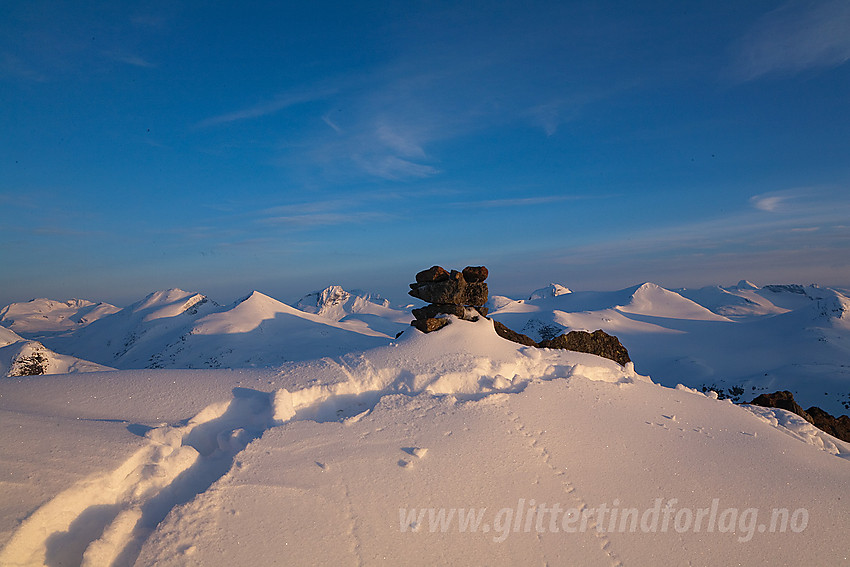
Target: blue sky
286 146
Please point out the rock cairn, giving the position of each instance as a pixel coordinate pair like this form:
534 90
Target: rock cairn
462 294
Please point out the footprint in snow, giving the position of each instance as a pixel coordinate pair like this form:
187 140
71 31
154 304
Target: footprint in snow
418 452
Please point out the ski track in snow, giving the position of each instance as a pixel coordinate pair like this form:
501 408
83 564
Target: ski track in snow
106 518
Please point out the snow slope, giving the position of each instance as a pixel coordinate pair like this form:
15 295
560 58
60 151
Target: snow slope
134 336
39 316
8 336
19 357
738 302
378 457
261 331
646 299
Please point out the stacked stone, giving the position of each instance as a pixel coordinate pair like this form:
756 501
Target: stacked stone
462 294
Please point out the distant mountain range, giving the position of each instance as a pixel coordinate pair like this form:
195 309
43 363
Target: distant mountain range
741 340
180 329
40 316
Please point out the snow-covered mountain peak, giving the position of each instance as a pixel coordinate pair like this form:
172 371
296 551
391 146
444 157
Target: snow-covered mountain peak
255 298
161 297
746 284
169 303
335 303
652 299
333 295
246 315
552 290
43 315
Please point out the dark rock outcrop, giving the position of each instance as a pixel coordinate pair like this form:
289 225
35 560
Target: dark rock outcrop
32 365
838 427
449 293
429 324
510 335
783 400
598 342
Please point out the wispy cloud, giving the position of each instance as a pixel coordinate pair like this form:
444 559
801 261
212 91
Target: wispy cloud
395 168
329 212
13 66
313 220
821 215
797 36
399 141
806 229
19 199
309 207
134 60
391 118
526 201
334 126
266 108
798 200
68 232
768 202
549 117
768 248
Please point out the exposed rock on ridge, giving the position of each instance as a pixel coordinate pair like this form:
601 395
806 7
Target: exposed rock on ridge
838 427
598 342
